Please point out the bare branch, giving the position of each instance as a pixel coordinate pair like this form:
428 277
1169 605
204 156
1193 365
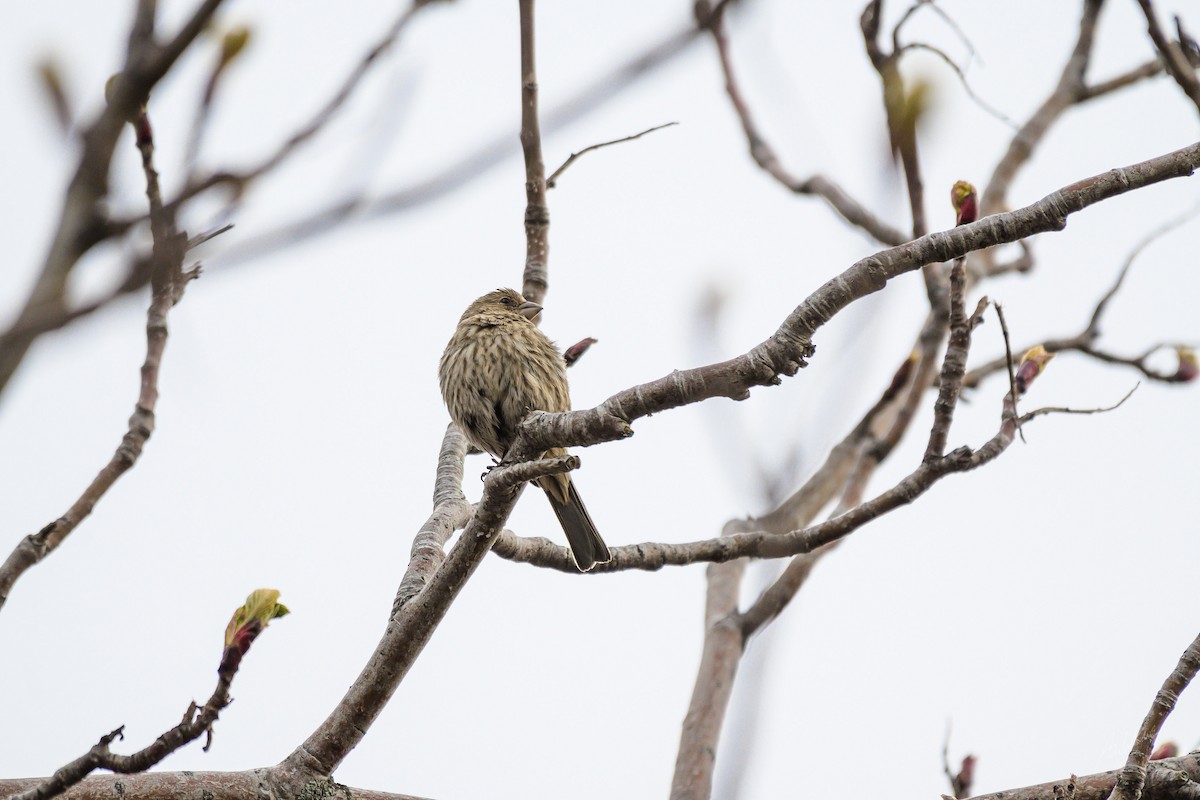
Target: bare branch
901 123
962 80
1172 57
1066 93
537 214
81 225
477 163
315 123
786 351
1135 75
765 156
1166 777
247 624
1008 361
1064 410
276 781
1133 775
1085 341
719 661
552 181
953 365
414 616
168 279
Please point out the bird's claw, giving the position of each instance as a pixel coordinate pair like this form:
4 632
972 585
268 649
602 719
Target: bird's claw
488 471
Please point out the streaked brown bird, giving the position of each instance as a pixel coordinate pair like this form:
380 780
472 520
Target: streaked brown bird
497 368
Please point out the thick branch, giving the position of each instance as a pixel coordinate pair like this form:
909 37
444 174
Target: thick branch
344 728
277 782
1165 776
1133 775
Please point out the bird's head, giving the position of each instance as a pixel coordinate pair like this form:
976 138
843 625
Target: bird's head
502 304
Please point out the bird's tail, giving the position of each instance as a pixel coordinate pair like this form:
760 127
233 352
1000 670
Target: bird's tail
587 547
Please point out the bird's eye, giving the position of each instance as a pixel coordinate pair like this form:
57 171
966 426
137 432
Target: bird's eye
508 301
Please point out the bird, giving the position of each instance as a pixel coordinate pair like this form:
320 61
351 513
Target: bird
498 367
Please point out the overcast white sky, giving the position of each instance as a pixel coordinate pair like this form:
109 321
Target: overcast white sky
1037 603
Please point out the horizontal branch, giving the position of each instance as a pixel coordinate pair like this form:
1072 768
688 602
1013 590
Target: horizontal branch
268 782
755 544
1165 775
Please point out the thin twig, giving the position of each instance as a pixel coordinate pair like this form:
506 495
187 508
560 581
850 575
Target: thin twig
987 107
1093 324
764 154
1064 410
553 179
1012 374
317 121
1085 341
1135 75
197 721
484 158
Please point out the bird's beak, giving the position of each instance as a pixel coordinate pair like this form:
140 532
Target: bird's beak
529 310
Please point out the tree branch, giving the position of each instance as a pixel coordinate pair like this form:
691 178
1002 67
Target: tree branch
552 181
765 156
346 725
537 214
168 279
786 351
1085 341
82 224
1173 59
1067 92
1133 776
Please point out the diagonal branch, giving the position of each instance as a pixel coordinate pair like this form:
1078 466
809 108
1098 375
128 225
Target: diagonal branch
415 616
786 351
1172 57
764 154
168 279
82 224
1067 92
247 625
1133 775
552 181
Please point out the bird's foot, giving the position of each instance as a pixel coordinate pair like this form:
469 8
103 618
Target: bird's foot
488 471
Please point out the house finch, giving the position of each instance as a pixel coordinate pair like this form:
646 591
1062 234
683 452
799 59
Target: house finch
497 368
